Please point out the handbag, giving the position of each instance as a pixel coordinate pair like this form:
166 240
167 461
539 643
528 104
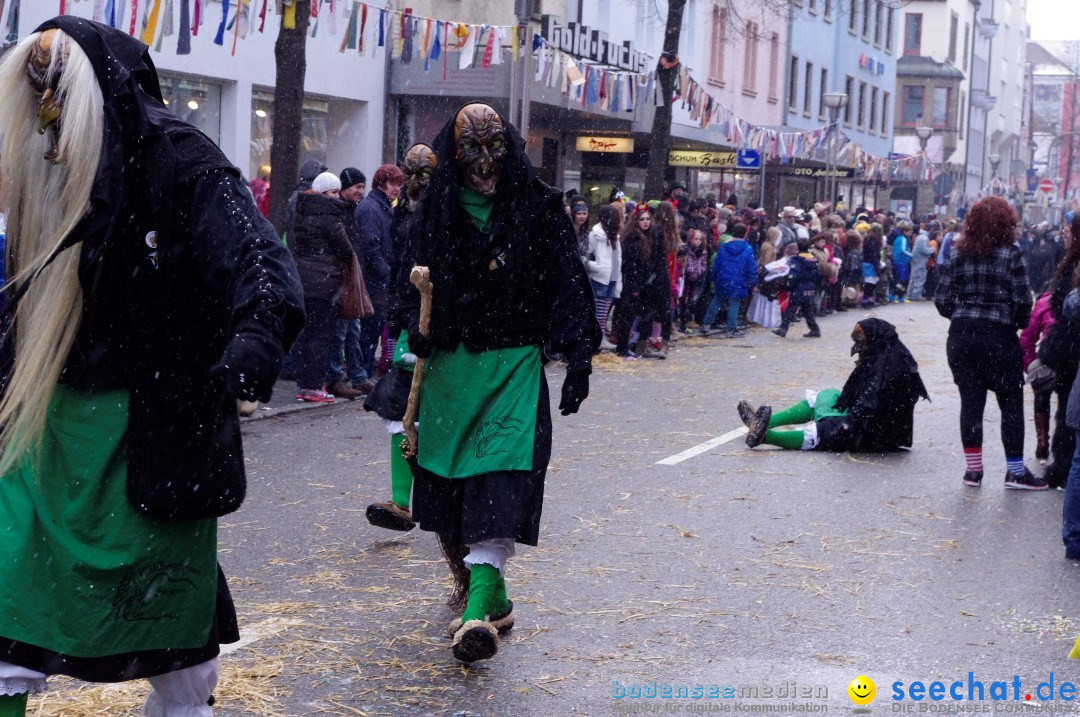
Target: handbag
1041 377
355 303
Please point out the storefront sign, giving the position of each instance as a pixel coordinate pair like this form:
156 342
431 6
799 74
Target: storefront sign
871 64
704 160
817 173
622 145
583 42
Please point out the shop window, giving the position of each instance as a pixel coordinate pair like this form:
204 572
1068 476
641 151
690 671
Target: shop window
939 107
750 61
913 33
849 90
774 65
822 109
194 101
719 44
809 84
314 132
872 117
912 112
885 97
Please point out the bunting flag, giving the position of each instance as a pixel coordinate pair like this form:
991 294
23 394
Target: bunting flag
468 50
406 37
99 11
134 17
349 41
13 21
183 44
262 16
219 38
109 16
288 17
197 19
382 34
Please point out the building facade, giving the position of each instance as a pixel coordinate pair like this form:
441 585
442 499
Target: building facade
230 96
849 47
1054 127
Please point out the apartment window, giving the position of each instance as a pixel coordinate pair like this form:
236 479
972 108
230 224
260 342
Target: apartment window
719 43
939 107
774 65
827 9
912 111
889 30
849 88
861 115
812 6
822 109
962 116
866 20
872 117
967 38
885 113
750 59
808 84
912 33
954 21
793 88
877 23
853 13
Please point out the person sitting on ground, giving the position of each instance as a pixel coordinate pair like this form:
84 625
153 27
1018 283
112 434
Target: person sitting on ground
873 413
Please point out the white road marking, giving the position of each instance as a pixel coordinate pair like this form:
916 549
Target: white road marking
259 631
703 447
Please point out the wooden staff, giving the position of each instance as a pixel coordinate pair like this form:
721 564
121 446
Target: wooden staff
420 277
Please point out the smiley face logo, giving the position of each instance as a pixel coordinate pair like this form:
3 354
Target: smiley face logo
862 690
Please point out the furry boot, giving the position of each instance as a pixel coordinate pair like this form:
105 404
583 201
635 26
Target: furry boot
478 639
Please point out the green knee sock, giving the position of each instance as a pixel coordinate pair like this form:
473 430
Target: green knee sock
788 440
400 473
13 705
482 581
499 599
792 416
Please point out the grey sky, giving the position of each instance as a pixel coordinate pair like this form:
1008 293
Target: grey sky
1054 19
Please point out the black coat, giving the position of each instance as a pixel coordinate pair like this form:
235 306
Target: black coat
320 244
374 216
190 298
521 285
1041 260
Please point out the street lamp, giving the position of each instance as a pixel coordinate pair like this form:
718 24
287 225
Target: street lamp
834 101
995 160
923 133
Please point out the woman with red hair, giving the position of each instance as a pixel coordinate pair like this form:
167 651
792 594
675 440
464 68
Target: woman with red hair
984 293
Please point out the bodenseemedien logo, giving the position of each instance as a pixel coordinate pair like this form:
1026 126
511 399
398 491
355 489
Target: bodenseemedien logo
862 692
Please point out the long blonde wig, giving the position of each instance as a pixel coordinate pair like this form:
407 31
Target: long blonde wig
43 203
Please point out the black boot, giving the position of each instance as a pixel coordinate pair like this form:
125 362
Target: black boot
758 425
746 412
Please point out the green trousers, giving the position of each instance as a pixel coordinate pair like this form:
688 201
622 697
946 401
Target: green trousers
792 416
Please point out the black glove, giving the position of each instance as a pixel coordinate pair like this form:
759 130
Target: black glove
575 389
250 366
420 346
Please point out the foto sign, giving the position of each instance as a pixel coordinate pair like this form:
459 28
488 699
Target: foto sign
622 145
702 160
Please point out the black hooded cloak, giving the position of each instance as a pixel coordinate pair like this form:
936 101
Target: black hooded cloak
881 392
190 301
539 294
521 285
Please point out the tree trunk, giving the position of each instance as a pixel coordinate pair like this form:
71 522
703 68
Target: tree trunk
290 59
660 143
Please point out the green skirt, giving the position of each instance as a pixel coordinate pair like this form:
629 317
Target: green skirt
83 573
478 411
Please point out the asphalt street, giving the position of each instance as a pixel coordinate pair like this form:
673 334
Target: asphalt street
749 569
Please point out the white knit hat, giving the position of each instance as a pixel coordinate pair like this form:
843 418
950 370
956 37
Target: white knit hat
326 182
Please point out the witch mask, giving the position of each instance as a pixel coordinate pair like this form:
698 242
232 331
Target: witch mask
417 166
480 138
46 86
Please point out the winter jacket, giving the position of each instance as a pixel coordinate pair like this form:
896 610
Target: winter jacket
1040 323
374 215
734 270
901 252
804 278
320 244
603 262
922 252
1071 312
1041 260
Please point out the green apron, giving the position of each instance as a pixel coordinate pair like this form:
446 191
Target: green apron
83 573
825 404
478 411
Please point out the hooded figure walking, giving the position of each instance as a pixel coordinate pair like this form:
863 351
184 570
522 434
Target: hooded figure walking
151 296
507 279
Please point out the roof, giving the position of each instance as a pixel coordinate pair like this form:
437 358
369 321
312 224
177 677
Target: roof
1039 56
920 66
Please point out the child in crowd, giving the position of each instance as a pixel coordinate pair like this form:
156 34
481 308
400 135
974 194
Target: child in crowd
804 279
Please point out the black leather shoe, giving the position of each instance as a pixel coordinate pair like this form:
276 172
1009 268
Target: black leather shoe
758 425
973 478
